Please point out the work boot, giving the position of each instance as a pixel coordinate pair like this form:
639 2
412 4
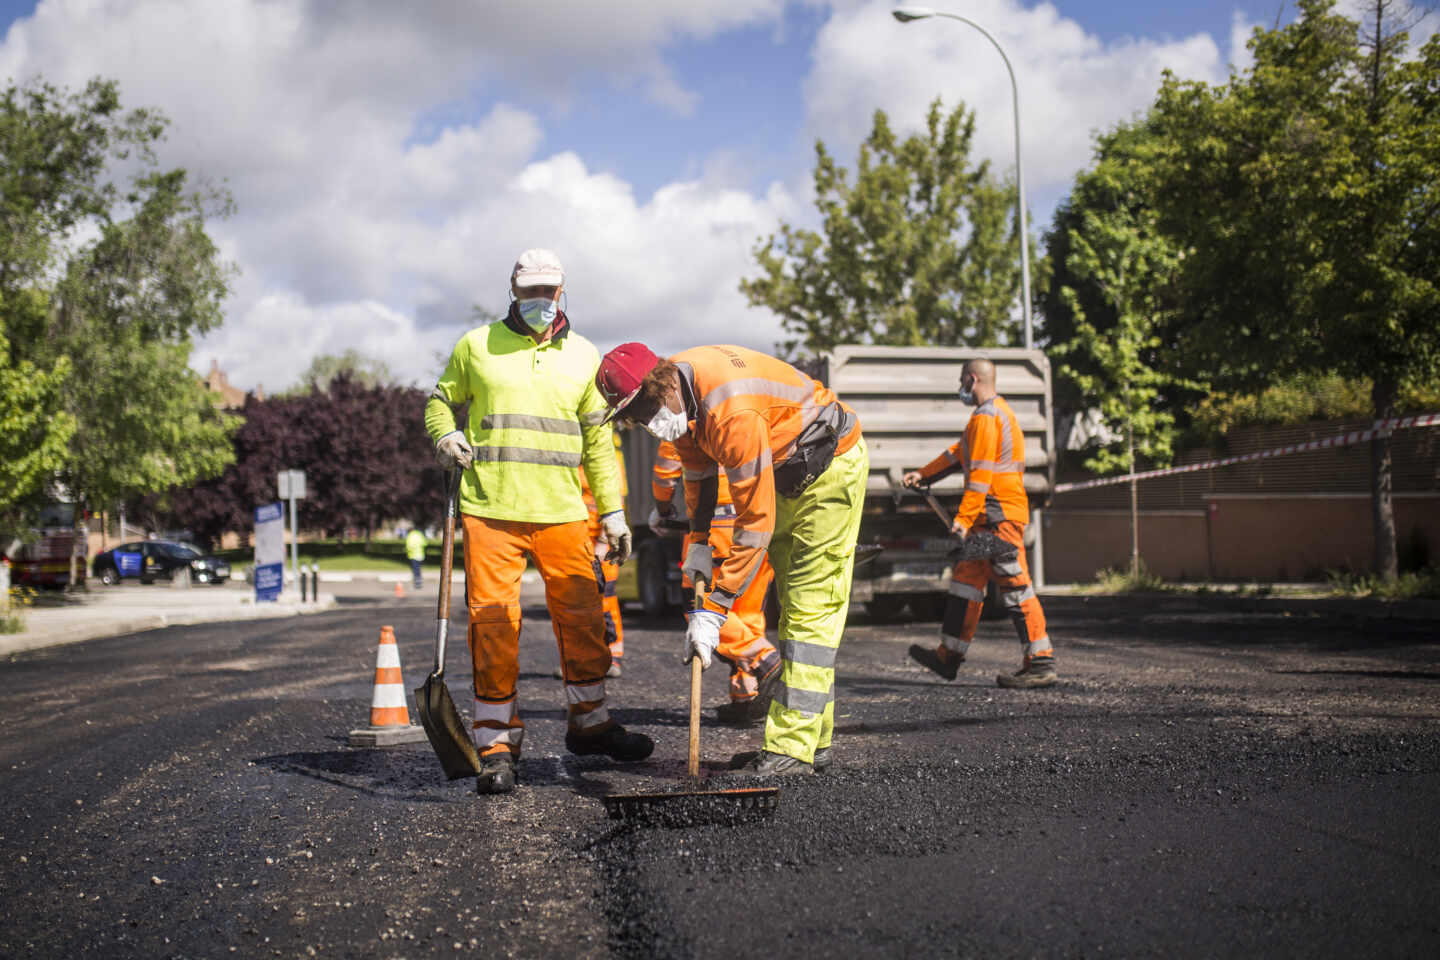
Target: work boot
739 713
780 765
821 763
614 670
497 773
613 741
940 659
1036 672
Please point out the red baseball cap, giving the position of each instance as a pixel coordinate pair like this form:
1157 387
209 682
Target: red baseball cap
621 372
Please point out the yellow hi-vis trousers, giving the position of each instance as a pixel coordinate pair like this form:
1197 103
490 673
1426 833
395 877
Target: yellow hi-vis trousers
813 553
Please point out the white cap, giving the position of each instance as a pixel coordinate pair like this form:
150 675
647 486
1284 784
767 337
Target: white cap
538 268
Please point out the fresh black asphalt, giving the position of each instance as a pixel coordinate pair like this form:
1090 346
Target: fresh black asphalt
1210 779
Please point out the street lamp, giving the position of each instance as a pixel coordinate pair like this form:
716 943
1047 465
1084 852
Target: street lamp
907 13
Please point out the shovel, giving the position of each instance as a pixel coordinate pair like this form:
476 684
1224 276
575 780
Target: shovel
447 732
694 806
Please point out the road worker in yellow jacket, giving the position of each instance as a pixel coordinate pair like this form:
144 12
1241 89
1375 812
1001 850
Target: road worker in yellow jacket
754 661
797 468
534 417
990 524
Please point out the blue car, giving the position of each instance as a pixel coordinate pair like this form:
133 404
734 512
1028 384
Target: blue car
151 560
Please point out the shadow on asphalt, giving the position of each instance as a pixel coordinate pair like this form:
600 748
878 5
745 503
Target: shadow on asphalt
1380 674
375 773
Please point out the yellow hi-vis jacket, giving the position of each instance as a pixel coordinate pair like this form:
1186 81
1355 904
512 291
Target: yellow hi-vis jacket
534 418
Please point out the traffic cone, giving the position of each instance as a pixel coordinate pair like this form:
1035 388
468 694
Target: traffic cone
389 714
399 590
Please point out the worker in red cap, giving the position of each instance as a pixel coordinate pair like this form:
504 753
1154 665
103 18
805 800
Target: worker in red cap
534 418
797 466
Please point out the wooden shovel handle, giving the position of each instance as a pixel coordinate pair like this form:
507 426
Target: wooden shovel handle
694 716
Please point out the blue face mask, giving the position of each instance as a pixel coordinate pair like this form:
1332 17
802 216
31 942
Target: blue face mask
538 312
967 397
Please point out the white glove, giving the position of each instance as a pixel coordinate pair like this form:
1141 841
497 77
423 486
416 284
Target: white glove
699 563
453 450
656 518
702 636
616 535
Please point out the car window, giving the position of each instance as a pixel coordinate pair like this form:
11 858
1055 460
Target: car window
177 551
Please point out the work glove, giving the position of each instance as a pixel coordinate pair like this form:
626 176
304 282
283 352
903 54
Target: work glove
702 636
959 531
913 480
699 563
616 535
658 516
453 450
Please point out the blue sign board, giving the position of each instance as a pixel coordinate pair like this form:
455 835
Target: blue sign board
269 552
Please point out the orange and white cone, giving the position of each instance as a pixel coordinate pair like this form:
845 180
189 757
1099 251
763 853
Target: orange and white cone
389 711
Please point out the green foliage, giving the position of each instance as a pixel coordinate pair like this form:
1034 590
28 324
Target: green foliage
1304 397
366 371
1119 267
1406 586
100 329
1110 582
921 249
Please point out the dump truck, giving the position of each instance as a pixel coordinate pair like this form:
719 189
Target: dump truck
910 410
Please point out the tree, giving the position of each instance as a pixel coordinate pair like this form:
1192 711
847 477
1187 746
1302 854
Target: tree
119 308
32 439
1306 191
359 368
922 249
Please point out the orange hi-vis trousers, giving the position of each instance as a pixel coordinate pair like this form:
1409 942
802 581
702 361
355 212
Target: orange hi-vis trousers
1006 565
495 552
743 644
607 575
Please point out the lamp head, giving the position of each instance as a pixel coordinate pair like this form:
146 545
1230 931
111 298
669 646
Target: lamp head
907 13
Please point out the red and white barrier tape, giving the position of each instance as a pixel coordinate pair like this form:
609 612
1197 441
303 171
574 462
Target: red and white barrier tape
1343 440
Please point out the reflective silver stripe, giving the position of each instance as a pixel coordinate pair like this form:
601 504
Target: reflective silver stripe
594 418
1040 646
727 510
696 475
668 464
998 467
809 654
986 409
1007 447
774 388
955 644
494 712
525 421
487 737
721 598
1016 597
752 538
748 471
585 693
977 486
806 701
665 483
1007 568
964 590
549 458
596 717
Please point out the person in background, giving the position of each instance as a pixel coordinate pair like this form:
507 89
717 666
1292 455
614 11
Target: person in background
534 417
415 544
754 661
990 525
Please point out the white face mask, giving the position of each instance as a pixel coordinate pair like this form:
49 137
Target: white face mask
667 424
538 312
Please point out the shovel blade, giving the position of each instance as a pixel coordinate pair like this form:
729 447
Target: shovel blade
448 736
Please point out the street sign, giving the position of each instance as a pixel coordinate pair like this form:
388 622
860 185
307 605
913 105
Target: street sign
269 552
292 484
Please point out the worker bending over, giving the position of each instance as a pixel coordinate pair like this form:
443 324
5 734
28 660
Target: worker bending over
534 417
797 467
754 661
990 525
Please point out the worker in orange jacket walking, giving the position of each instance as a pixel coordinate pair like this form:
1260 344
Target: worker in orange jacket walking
797 468
990 525
754 661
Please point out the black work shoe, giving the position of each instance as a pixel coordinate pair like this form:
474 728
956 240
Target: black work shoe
821 763
930 659
780 765
497 773
739 713
613 741
1037 672
765 692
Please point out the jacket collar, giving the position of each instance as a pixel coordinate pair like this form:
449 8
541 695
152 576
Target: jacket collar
559 329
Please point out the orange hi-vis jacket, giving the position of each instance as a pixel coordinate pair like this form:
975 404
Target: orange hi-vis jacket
992 454
747 413
674 464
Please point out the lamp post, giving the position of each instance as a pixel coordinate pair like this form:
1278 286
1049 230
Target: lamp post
907 13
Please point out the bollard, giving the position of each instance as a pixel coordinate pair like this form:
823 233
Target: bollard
315 583
304 581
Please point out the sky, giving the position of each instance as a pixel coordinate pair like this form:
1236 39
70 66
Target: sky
389 161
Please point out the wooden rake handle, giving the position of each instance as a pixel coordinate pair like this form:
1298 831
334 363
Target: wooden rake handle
695 669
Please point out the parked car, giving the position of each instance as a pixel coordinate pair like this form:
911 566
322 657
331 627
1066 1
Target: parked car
149 560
